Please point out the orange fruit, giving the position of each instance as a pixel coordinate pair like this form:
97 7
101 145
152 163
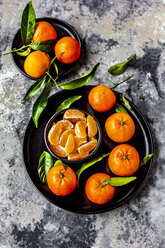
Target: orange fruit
87 147
120 127
70 144
36 63
101 98
77 156
66 124
64 136
92 127
44 31
58 150
60 181
97 194
70 48
124 160
80 129
54 134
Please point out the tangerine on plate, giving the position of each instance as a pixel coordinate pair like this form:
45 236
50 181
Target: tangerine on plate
70 49
60 181
44 31
80 129
54 134
101 98
124 160
95 192
120 127
77 156
92 127
58 150
70 144
86 148
64 136
36 64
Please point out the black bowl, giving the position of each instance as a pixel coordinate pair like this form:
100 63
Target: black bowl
63 29
57 117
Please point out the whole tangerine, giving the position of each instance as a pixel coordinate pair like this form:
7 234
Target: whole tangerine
94 190
120 127
44 31
101 98
61 181
70 49
124 160
36 63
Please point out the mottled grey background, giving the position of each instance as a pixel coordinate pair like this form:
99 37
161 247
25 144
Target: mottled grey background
111 30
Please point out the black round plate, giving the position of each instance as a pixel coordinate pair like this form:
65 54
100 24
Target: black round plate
63 29
34 145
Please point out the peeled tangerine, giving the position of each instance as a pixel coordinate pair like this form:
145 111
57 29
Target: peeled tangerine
80 129
58 150
92 127
64 136
74 115
78 142
66 124
77 156
54 134
87 147
70 145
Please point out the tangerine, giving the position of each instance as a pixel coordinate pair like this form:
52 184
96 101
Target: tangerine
44 31
36 64
95 192
61 181
124 160
101 98
120 127
70 49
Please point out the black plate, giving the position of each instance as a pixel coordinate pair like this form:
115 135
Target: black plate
63 29
77 201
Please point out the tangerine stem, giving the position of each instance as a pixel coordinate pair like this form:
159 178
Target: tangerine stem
126 156
122 123
53 80
16 50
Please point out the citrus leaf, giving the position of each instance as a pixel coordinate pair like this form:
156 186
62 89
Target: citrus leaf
44 166
28 24
120 68
41 103
125 80
58 162
89 164
24 53
35 88
44 46
120 108
117 181
67 103
126 102
145 159
81 81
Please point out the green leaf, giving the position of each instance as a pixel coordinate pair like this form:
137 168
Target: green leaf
126 102
89 164
24 53
81 81
44 46
35 88
117 181
56 70
120 68
67 103
120 108
145 159
41 103
58 162
116 85
44 166
28 24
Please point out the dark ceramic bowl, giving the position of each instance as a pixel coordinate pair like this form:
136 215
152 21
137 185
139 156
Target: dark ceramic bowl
57 117
63 29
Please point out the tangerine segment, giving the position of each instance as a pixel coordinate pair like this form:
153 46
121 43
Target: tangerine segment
92 127
70 145
74 115
87 147
64 136
66 124
97 194
58 150
54 134
80 129
77 156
